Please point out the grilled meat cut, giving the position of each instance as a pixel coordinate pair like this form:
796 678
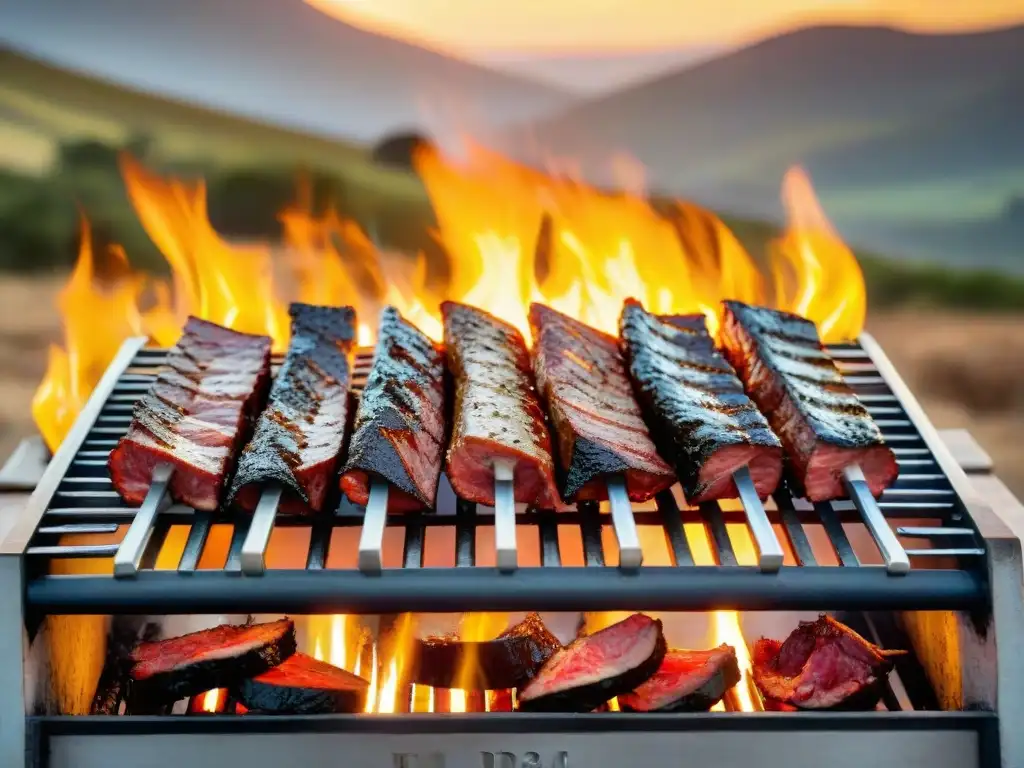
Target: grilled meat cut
168 670
300 434
686 681
823 427
508 661
399 432
301 685
197 414
823 664
693 402
597 422
598 667
498 415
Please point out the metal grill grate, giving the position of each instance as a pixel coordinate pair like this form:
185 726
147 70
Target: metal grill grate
694 558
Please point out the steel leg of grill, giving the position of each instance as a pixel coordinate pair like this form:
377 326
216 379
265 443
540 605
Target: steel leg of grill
133 545
371 541
895 557
769 550
505 516
254 548
630 553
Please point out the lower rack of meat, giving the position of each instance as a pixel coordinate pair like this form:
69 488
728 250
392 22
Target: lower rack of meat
693 557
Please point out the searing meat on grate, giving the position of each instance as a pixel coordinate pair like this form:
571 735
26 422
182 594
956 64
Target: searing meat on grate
823 427
300 434
301 685
686 681
596 419
497 412
399 431
195 417
693 402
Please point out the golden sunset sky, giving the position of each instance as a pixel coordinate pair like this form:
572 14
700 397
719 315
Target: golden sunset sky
578 26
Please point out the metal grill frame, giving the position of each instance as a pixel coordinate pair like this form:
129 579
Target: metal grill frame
596 586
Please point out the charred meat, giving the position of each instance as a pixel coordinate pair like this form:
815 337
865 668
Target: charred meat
301 685
498 416
597 422
699 415
300 434
508 661
823 664
168 670
823 427
598 667
686 681
399 431
197 414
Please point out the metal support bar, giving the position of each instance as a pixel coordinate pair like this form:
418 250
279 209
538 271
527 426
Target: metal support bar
896 560
631 555
769 550
371 540
133 545
254 548
506 556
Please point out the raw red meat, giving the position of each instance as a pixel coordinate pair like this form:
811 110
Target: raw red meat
497 410
686 681
300 434
196 415
823 427
168 670
593 669
823 664
301 685
399 431
596 419
695 406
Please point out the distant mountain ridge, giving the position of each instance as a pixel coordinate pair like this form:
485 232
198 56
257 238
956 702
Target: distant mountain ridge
887 122
279 61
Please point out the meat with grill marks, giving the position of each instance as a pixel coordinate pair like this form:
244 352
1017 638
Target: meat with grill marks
498 415
823 427
399 432
597 422
693 402
300 434
195 417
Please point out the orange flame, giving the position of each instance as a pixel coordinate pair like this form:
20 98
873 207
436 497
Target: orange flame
212 701
512 234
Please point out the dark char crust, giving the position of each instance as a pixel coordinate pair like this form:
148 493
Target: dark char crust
508 661
691 398
587 698
403 396
196 678
261 696
316 372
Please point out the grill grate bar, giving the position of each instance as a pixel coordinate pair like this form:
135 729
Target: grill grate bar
837 535
714 522
73 551
590 532
550 554
672 522
79 528
196 541
924 532
951 552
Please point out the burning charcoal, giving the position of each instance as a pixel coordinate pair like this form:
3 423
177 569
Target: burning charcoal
195 417
168 670
823 427
301 685
686 681
508 661
822 665
593 669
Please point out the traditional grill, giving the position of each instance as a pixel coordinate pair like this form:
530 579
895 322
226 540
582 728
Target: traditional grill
953 701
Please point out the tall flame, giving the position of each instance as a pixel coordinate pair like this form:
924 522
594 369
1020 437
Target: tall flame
512 234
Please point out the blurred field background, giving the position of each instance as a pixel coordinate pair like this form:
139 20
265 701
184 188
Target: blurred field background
957 336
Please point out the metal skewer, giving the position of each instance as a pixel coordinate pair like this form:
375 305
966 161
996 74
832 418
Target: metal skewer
371 540
769 550
631 555
133 545
505 516
896 559
254 548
